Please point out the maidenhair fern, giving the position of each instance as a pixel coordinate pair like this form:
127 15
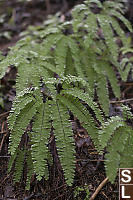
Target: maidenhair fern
86 46
116 135
60 70
47 110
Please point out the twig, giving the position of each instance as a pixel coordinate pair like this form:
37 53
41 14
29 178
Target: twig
5 179
3 132
121 101
5 156
130 83
4 114
2 141
99 188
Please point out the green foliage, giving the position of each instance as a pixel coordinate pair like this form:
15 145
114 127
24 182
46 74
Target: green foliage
47 110
78 190
119 149
126 63
60 52
59 70
30 169
19 165
116 136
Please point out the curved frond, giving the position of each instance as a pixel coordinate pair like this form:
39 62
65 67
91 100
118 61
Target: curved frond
123 19
87 99
108 128
82 114
22 99
115 152
21 124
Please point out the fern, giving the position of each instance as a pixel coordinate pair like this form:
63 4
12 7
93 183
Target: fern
56 46
20 157
30 169
126 158
59 70
126 63
83 115
23 118
47 109
19 165
86 98
115 135
116 152
64 140
102 92
39 138
108 129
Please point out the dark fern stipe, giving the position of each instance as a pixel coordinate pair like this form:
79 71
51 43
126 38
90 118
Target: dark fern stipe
59 70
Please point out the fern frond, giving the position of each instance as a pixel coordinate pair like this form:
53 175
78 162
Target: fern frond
126 112
127 157
115 151
50 41
24 97
12 159
50 32
87 99
78 16
82 114
108 35
119 31
122 18
39 137
22 122
61 54
102 92
70 69
3 69
112 78
15 58
75 52
19 164
90 74
109 5
89 2
91 26
30 169
108 129
125 68
64 139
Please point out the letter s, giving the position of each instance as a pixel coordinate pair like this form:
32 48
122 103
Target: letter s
125 174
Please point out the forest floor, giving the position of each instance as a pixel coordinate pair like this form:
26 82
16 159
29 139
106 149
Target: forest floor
15 17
